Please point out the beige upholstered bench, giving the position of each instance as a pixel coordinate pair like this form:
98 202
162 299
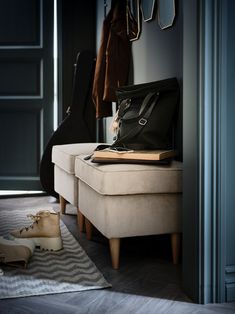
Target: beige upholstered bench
65 182
126 200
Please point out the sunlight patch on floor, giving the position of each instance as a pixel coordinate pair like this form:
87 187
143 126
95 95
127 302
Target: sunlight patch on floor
12 192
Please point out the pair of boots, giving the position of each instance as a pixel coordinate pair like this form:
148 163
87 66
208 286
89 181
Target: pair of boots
18 247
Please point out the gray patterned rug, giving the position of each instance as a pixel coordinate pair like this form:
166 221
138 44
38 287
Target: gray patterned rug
67 270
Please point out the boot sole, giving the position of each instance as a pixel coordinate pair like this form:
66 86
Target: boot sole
51 244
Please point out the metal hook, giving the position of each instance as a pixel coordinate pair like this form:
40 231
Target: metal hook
105 8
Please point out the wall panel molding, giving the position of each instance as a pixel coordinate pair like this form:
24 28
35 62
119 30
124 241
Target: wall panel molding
24 24
26 90
11 72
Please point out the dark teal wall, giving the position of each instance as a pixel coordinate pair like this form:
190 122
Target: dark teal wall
157 54
228 186
230 132
208 133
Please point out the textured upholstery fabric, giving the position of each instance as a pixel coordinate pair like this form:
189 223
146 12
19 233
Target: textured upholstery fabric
120 200
66 185
125 200
131 215
64 155
121 179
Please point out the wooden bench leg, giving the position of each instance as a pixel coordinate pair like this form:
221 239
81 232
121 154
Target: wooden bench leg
62 205
88 229
175 246
80 220
114 245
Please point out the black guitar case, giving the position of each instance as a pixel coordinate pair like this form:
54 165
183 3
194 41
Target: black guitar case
79 126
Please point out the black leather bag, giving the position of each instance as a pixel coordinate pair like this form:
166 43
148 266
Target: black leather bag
146 115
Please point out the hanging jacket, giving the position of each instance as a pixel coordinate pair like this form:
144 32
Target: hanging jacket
113 59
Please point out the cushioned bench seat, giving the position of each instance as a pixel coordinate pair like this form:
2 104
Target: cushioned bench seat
65 182
125 200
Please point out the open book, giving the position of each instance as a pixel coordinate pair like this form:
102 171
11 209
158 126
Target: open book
133 155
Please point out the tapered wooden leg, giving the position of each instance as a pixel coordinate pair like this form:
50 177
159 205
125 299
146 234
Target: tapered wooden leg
88 229
62 205
175 246
80 220
114 245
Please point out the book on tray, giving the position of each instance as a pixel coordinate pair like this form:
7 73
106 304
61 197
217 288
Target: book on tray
113 155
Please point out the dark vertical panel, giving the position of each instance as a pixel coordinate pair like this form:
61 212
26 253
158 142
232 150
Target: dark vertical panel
209 151
216 172
209 245
229 156
190 148
102 9
48 76
78 34
230 131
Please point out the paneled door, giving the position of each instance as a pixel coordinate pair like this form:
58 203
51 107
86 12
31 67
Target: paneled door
26 90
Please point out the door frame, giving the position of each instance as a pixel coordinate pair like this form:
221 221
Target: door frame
203 271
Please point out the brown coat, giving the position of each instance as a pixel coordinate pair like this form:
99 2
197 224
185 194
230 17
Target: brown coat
112 65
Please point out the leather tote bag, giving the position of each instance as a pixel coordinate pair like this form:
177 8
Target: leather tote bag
146 115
